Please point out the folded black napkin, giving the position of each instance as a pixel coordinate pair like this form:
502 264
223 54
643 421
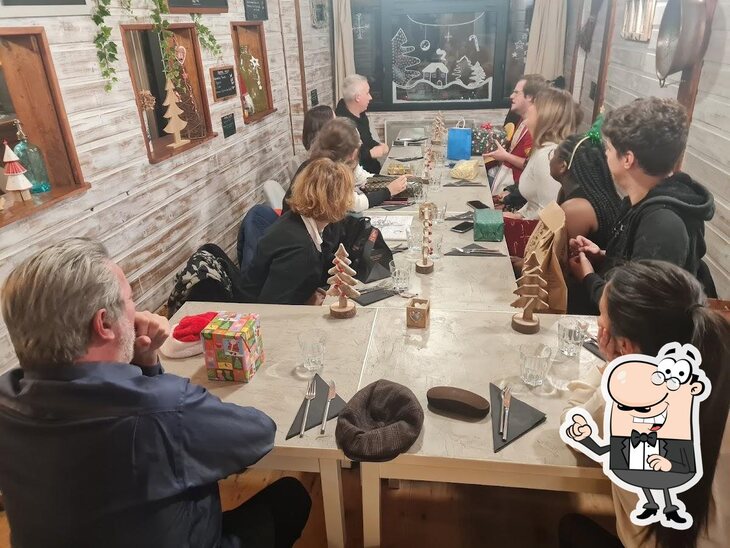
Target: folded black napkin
593 349
480 252
374 296
393 207
316 408
466 216
464 182
522 418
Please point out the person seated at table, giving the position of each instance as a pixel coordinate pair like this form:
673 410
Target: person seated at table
314 119
664 213
100 447
338 140
550 119
587 194
514 160
645 305
290 266
354 103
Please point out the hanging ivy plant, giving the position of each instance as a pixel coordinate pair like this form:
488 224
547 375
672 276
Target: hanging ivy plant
106 49
207 40
161 26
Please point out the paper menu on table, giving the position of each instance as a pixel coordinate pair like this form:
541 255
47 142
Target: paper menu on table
393 227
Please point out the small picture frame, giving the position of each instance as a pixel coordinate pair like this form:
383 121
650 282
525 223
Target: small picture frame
320 13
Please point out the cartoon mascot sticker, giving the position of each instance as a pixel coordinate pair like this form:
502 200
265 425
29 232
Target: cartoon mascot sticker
652 423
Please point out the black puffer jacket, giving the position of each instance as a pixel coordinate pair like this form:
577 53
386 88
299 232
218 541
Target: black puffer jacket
667 225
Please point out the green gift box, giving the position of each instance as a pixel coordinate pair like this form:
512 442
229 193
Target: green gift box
488 225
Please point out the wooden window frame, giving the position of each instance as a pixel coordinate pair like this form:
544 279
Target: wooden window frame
58 192
160 156
265 67
7 12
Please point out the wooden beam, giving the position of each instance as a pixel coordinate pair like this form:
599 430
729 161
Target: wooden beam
605 58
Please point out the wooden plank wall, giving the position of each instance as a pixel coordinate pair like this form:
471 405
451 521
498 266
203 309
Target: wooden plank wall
571 35
632 74
592 62
152 217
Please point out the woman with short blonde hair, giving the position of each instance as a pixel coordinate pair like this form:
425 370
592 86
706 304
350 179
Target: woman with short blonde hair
290 264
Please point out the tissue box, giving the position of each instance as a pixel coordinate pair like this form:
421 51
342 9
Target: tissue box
488 225
233 347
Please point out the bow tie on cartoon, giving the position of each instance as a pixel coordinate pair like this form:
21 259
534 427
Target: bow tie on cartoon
637 438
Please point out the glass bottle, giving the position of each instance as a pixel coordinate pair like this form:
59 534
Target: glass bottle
32 159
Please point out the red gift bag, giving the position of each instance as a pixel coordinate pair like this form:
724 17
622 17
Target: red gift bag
516 233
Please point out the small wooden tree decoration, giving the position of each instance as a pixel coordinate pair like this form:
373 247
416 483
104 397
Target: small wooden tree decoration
438 129
532 295
426 213
428 162
173 112
17 182
341 285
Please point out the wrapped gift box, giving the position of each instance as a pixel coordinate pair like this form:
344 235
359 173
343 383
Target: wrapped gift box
488 225
233 347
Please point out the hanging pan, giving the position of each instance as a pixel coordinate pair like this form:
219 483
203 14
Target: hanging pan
681 37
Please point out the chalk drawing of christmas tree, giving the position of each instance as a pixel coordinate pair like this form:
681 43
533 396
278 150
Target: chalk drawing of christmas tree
478 76
402 62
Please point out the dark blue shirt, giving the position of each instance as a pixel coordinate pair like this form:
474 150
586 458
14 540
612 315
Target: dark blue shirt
114 455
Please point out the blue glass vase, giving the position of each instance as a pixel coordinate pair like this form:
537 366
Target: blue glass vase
32 159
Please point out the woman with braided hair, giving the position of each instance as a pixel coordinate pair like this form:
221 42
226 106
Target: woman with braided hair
587 196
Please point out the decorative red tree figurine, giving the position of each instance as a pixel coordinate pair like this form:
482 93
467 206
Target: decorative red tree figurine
17 182
341 285
532 295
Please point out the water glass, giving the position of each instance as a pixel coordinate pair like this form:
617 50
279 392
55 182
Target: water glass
434 181
415 240
534 363
440 214
436 244
401 274
571 334
312 344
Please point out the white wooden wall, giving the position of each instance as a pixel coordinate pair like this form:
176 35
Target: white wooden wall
152 217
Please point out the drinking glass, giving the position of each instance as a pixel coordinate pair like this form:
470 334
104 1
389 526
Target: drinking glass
401 274
434 181
534 363
436 243
571 334
415 240
312 345
440 214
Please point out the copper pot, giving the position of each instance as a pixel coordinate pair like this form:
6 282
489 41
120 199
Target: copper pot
681 37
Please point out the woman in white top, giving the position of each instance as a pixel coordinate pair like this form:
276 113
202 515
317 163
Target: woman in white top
550 119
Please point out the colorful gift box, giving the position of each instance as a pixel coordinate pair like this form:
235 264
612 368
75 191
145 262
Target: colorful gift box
233 347
488 225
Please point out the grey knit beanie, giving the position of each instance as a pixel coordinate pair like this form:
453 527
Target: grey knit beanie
380 422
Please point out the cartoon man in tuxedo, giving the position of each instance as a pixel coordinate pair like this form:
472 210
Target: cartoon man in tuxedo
652 417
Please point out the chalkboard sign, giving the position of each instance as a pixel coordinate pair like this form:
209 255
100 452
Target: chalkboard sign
256 10
229 125
42 2
313 98
223 80
198 6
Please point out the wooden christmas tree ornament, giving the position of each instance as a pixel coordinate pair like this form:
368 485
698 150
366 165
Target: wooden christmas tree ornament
426 213
17 183
173 112
438 129
341 282
532 295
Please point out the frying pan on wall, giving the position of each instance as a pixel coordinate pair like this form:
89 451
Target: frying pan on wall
681 37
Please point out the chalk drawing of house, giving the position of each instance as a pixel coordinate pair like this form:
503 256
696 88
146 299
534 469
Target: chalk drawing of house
439 70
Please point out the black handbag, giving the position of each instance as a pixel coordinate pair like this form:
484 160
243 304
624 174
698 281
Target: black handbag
369 253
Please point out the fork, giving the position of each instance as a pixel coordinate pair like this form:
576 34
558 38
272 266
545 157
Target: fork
309 396
482 251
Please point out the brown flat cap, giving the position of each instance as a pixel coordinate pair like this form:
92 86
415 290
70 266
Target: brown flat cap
379 423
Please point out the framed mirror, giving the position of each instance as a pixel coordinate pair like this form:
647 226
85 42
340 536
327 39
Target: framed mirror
638 20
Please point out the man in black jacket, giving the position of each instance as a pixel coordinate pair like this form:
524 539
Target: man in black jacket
664 212
353 105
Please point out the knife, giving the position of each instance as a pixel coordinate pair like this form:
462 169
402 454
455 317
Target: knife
506 401
330 396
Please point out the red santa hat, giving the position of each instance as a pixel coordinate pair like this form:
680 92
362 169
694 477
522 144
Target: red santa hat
185 339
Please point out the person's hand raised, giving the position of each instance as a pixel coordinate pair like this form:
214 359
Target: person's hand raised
398 185
151 330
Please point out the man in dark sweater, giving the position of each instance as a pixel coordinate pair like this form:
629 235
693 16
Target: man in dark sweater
664 213
101 445
353 105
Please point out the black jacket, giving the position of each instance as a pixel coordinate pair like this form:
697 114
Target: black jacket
363 127
667 225
375 198
287 268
